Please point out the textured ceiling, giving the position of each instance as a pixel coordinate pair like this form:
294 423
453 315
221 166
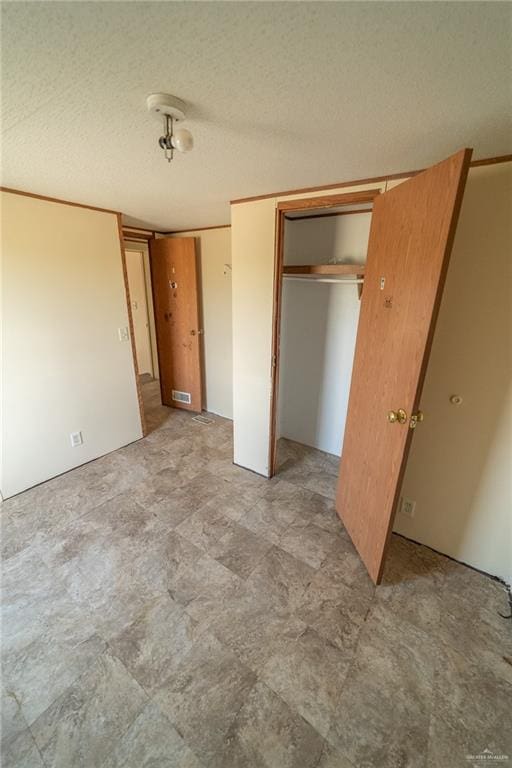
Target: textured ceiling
280 95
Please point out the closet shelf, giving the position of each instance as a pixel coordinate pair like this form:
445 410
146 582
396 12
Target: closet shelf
324 269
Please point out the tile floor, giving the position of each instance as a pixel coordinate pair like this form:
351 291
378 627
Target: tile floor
163 608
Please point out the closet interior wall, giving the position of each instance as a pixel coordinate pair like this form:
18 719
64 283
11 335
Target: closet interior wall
318 329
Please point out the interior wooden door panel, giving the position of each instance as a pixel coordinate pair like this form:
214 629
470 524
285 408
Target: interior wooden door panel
411 236
175 295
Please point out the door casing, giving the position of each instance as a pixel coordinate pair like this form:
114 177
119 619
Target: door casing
304 204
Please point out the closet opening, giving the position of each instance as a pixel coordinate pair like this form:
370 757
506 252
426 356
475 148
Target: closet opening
321 249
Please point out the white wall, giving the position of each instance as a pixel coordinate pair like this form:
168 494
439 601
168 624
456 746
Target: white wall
318 331
63 367
214 247
460 466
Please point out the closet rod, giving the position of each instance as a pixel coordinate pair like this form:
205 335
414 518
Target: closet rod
324 280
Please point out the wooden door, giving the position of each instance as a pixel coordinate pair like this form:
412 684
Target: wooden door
139 305
411 236
175 295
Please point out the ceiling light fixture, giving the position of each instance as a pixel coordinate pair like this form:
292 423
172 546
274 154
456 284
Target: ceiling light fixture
172 110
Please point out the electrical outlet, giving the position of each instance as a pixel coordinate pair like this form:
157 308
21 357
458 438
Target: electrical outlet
76 439
123 334
407 507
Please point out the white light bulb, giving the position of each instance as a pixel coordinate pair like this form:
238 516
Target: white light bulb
182 140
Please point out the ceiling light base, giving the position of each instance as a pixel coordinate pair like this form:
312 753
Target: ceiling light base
165 104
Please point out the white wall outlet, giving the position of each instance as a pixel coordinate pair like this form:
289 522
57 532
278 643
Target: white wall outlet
76 439
407 507
123 334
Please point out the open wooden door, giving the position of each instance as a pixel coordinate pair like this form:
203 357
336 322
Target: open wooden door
412 232
175 296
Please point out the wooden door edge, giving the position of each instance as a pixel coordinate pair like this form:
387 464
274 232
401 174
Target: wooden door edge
131 328
276 338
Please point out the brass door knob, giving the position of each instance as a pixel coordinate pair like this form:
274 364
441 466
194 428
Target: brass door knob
399 416
416 418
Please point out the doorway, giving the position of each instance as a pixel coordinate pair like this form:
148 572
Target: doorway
322 247
138 275
164 297
140 314
319 318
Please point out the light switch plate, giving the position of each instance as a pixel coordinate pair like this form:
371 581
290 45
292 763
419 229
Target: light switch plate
123 334
76 439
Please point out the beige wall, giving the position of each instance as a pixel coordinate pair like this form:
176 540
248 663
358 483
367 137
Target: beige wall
460 467
64 368
214 247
